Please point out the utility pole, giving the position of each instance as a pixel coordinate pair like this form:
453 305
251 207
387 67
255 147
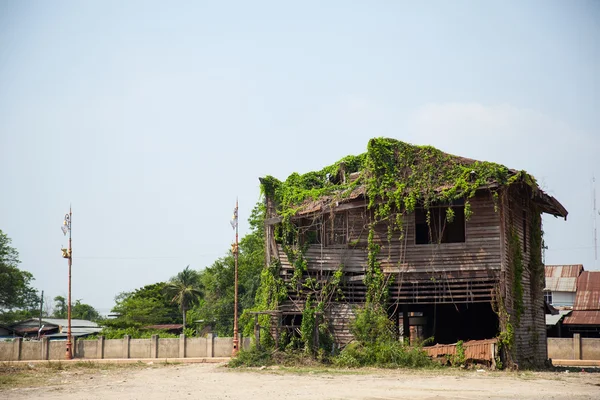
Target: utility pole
235 300
41 310
68 254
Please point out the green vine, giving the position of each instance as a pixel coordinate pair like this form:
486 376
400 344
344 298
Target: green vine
395 178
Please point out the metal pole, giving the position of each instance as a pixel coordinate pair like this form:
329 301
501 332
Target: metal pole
40 320
235 301
69 354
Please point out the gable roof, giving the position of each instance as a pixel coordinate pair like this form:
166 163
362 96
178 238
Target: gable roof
562 278
397 167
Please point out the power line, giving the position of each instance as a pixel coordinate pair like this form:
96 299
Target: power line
142 258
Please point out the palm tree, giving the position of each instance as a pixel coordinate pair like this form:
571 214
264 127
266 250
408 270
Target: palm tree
184 289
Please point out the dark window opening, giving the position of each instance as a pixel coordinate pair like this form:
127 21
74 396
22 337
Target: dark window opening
548 297
440 229
449 323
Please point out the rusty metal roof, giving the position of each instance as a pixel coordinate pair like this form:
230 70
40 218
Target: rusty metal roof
583 318
564 271
588 291
562 278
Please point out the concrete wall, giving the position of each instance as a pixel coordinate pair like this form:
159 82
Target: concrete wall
7 351
575 348
140 348
31 350
560 348
209 346
86 348
223 347
168 348
197 347
57 349
590 349
113 348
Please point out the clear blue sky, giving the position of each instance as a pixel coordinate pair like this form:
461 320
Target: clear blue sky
150 118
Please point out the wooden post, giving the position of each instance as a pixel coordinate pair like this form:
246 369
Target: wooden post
405 324
256 331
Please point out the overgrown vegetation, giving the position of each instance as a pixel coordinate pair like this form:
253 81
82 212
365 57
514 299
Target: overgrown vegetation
395 178
376 344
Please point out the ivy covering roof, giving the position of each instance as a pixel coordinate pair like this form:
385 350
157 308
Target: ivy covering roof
395 173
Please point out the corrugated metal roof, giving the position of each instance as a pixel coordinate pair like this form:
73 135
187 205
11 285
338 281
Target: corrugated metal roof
566 271
583 318
57 321
588 291
562 278
553 319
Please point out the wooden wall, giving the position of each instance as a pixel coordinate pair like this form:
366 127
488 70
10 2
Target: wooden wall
422 273
530 330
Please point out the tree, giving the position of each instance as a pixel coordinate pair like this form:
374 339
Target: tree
184 289
60 307
18 300
79 310
84 311
147 305
217 280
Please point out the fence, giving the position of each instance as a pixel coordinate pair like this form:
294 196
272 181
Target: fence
575 348
155 347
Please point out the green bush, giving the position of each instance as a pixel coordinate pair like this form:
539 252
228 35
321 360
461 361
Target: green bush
386 354
134 333
377 346
251 358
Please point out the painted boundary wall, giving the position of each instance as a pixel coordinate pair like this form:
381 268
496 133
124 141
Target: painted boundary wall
575 348
209 346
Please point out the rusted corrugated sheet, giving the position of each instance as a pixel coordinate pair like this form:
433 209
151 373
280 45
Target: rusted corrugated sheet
588 291
474 350
565 271
583 318
562 278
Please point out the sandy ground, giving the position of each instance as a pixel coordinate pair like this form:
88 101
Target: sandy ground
210 381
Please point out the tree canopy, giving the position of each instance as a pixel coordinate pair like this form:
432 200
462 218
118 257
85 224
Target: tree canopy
147 305
184 289
18 300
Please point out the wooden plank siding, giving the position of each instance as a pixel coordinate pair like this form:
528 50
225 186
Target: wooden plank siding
448 273
530 331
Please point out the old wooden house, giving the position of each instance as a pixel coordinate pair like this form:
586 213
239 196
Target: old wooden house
456 242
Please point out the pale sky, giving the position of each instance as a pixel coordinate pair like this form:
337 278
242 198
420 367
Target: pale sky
151 118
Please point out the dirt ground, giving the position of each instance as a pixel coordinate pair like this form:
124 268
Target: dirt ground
210 381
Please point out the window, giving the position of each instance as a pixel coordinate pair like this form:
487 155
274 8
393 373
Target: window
439 229
548 297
